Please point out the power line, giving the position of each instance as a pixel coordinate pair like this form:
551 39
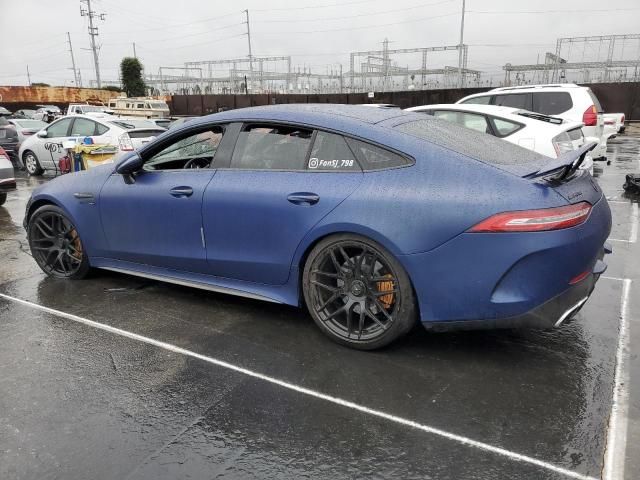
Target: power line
175 47
583 11
328 5
167 26
178 37
343 17
287 32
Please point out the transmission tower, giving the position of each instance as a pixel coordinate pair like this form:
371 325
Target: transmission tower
93 33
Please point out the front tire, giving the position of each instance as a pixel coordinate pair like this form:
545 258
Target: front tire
31 163
55 244
357 292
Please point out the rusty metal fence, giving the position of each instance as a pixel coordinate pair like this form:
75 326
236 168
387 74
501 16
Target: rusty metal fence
614 97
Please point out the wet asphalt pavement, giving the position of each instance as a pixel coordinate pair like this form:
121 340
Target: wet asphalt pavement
80 402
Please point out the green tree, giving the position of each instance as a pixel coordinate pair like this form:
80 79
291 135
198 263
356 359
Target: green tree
112 88
131 74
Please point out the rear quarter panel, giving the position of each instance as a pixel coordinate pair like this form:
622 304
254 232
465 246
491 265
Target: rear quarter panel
417 208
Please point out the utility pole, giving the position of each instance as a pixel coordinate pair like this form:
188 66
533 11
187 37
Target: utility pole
246 12
28 76
460 76
134 50
93 33
73 63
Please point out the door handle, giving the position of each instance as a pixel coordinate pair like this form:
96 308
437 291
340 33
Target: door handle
303 198
179 192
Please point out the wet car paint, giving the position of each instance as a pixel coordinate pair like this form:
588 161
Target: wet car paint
77 401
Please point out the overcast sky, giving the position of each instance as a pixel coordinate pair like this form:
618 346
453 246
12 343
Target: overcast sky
317 33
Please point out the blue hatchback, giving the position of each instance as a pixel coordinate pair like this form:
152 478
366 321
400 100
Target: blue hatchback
372 218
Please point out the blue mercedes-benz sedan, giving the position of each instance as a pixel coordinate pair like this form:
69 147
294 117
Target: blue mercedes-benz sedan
371 218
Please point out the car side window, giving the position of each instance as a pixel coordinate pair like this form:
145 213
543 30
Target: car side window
515 100
372 157
272 147
504 127
194 151
484 100
552 103
83 127
101 129
330 152
59 129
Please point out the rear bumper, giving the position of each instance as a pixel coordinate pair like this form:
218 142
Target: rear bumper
553 313
508 278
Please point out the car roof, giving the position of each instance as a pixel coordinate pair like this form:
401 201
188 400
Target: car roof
536 87
319 115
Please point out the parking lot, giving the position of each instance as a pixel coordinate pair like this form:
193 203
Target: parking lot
122 377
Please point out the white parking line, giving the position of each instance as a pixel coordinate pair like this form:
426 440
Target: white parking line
633 220
312 393
633 237
617 432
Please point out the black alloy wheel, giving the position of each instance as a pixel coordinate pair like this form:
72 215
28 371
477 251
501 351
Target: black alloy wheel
56 245
357 292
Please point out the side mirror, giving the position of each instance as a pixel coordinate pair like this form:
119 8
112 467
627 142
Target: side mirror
42 134
129 165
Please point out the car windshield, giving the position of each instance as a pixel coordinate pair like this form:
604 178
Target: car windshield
31 124
131 123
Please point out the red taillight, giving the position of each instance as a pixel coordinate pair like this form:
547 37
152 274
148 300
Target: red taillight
579 278
622 119
535 220
590 116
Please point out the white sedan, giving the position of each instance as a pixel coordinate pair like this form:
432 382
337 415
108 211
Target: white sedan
42 151
547 135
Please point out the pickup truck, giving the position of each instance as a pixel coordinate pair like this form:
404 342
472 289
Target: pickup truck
84 108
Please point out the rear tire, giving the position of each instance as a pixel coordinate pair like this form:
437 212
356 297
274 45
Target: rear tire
55 244
31 163
358 294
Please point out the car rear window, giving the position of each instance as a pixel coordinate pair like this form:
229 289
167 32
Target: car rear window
144 133
486 148
552 103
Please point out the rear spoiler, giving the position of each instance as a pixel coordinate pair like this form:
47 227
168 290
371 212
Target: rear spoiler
569 161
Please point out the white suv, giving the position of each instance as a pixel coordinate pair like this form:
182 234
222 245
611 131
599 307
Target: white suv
568 101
